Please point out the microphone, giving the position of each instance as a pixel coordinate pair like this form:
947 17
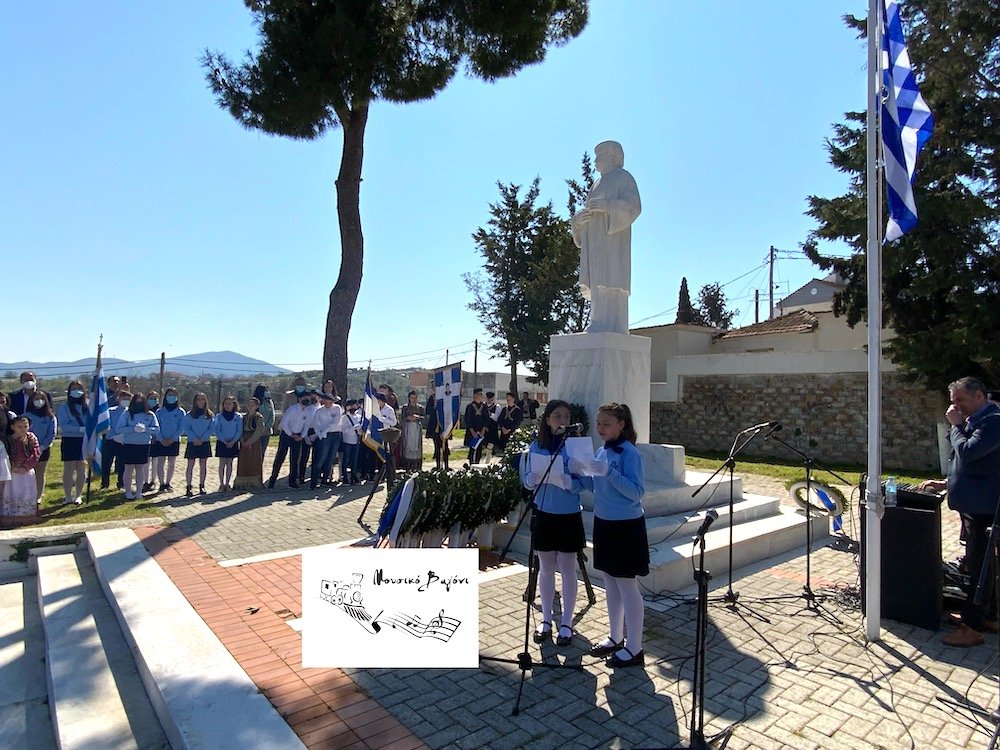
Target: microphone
703 529
571 429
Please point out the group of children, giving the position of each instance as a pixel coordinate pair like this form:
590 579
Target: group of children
621 551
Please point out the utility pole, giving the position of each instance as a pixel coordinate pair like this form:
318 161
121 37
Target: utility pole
770 285
756 305
475 364
163 367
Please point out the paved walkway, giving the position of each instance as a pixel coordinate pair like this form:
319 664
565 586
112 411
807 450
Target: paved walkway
786 675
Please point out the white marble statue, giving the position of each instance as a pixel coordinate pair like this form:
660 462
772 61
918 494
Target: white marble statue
602 230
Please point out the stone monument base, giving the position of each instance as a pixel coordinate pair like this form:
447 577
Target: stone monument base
595 368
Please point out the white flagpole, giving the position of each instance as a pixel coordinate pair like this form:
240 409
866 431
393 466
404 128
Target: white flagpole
873 529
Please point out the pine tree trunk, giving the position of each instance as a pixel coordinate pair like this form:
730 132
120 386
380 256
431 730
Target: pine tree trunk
344 295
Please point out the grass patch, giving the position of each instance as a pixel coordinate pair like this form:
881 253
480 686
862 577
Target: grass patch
104 505
794 471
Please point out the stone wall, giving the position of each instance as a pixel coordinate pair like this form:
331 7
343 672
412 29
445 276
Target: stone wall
824 416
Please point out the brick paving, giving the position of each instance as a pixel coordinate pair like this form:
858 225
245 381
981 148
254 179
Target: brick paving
786 675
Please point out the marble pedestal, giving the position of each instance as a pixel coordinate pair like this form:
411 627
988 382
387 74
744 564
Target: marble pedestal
594 368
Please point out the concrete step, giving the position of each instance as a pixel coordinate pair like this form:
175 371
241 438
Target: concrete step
202 696
95 696
762 528
24 710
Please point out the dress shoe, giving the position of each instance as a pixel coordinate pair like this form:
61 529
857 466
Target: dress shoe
632 660
565 640
601 650
270 483
189 492
987 626
963 637
544 632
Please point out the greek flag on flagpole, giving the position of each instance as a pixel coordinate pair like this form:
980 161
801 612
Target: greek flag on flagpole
447 393
906 124
371 425
98 420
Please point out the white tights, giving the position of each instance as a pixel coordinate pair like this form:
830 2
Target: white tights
625 611
548 564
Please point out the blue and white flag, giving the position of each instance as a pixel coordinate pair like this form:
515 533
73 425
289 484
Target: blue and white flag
906 124
447 393
98 419
371 424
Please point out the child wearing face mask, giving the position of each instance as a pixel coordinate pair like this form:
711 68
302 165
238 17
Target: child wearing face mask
152 404
136 429
228 429
198 428
165 449
71 418
43 425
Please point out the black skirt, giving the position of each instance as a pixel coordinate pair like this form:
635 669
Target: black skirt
71 449
621 548
221 451
558 532
198 451
158 449
46 455
133 454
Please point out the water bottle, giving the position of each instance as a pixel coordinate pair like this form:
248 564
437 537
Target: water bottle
890 492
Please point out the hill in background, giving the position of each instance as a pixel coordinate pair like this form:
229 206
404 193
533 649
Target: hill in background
223 364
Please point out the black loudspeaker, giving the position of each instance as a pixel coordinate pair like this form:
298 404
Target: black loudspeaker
912 572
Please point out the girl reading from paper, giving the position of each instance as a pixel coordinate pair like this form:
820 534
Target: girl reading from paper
558 534
621 550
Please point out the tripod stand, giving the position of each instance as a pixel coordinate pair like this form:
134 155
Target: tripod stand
524 661
697 728
807 593
731 596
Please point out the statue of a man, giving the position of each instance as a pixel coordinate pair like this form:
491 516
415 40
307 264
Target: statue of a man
602 230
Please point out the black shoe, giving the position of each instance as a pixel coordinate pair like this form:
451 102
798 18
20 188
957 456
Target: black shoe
163 488
167 487
314 485
105 485
565 640
190 492
293 485
634 660
544 632
270 483
602 651
201 489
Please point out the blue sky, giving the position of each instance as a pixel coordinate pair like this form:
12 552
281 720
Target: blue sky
135 208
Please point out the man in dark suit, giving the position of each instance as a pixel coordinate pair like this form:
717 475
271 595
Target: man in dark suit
19 400
973 486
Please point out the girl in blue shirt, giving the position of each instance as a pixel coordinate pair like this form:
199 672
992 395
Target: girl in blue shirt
136 429
228 429
43 426
557 529
198 428
167 446
621 549
71 418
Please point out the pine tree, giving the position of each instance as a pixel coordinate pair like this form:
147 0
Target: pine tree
941 281
320 64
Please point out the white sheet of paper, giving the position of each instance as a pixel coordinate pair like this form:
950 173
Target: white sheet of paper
557 476
582 449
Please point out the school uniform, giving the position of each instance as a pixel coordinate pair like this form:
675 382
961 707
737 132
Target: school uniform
197 426
73 428
171 419
44 428
558 519
135 432
227 427
621 548
293 423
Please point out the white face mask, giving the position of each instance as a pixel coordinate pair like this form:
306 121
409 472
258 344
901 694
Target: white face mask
28 385
39 403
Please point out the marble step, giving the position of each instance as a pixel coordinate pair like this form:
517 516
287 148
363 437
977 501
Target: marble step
202 696
96 699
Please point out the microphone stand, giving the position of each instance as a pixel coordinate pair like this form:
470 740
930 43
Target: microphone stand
523 660
697 728
731 596
807 593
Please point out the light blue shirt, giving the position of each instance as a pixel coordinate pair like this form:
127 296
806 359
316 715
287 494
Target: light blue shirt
550 498
618 495
69 425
